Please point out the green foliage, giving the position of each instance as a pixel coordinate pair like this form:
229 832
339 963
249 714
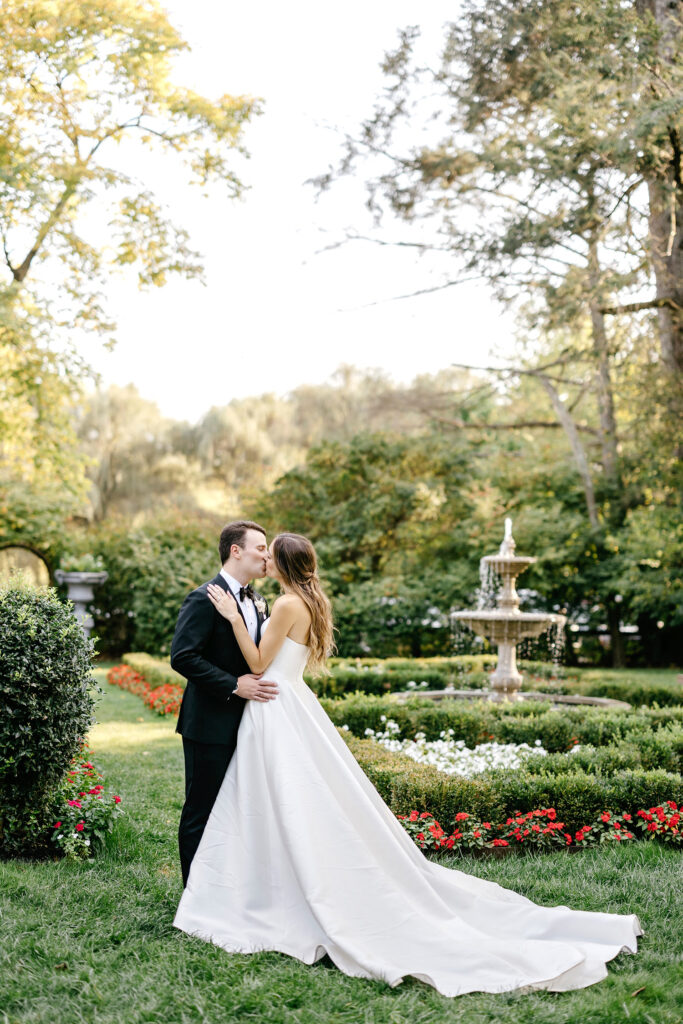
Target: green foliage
576 796
45 684
42 902
35 517
478 721
76 80
156 671
151 569
81 563
635 692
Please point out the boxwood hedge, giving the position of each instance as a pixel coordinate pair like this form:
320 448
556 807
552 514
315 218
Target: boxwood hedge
577 796
46 700
478 721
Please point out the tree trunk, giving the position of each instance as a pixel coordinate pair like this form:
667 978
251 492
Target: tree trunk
565 418
613 622
603 379
666 198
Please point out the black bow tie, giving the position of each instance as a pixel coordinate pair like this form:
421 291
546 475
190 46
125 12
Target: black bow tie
246 592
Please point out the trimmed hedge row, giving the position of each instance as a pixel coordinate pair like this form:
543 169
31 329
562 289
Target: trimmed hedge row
635 692
648 750
577 797
451 667
156 671
381 676
478 721
386 675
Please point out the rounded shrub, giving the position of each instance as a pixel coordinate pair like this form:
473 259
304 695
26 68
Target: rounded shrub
152 567
45 709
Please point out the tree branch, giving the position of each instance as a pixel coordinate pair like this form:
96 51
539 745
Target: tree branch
635 307
20 272
521 425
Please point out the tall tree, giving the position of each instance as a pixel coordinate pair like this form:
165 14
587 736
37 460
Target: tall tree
553 174
76 80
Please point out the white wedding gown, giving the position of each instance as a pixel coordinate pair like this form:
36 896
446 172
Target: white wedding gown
301 855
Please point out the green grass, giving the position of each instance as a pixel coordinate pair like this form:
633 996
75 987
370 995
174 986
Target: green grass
83 943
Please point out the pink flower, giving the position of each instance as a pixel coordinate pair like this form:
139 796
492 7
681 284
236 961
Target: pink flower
58 824
80 826
74 803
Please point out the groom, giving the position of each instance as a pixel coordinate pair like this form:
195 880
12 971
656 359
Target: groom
206 652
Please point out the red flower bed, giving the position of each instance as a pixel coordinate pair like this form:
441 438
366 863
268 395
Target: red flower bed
165 700
662 823
540 829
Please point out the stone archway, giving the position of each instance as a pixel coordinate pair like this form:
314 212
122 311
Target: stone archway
17 557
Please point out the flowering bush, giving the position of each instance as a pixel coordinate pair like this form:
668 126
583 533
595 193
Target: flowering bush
607 828
164 699
540 829
452 756
424 829
662 823
87 813
429 835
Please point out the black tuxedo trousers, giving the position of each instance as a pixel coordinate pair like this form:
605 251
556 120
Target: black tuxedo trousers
205 651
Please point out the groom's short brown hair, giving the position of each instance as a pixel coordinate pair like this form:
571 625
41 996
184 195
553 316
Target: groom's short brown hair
233 533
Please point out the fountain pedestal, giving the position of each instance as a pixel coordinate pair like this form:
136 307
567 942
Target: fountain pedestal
506 680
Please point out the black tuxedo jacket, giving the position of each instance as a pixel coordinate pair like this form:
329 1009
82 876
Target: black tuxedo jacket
205 651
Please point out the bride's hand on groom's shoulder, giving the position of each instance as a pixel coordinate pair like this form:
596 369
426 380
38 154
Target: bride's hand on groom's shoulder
223 602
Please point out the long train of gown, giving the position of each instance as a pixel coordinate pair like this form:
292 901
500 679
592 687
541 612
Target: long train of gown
302 856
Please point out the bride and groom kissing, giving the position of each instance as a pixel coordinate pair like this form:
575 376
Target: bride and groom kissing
285 844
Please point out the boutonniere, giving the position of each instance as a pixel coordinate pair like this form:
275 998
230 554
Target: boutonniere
260 605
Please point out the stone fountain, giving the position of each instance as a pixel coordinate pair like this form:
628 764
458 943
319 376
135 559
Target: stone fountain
505 625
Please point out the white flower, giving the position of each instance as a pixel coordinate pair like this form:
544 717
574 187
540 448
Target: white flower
452 756
260 605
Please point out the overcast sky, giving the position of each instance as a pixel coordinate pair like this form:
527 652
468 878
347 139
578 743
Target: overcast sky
275 312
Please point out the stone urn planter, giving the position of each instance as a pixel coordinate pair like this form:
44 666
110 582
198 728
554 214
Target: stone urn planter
80 587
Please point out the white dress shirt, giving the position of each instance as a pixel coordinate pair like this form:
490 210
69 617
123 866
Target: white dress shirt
246 606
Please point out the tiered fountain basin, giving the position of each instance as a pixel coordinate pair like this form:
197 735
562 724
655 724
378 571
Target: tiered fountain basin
502 627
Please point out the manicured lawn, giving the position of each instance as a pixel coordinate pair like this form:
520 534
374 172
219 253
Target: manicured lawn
82 943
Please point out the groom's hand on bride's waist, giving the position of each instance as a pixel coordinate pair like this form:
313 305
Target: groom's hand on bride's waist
253 687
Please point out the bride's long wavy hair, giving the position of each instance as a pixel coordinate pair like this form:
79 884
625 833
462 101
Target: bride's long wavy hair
297 564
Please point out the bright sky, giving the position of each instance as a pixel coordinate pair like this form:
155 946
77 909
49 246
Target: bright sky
275 312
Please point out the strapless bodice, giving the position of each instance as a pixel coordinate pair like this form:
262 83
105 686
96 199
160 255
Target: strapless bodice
289 662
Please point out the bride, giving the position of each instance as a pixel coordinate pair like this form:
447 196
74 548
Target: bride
301 855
